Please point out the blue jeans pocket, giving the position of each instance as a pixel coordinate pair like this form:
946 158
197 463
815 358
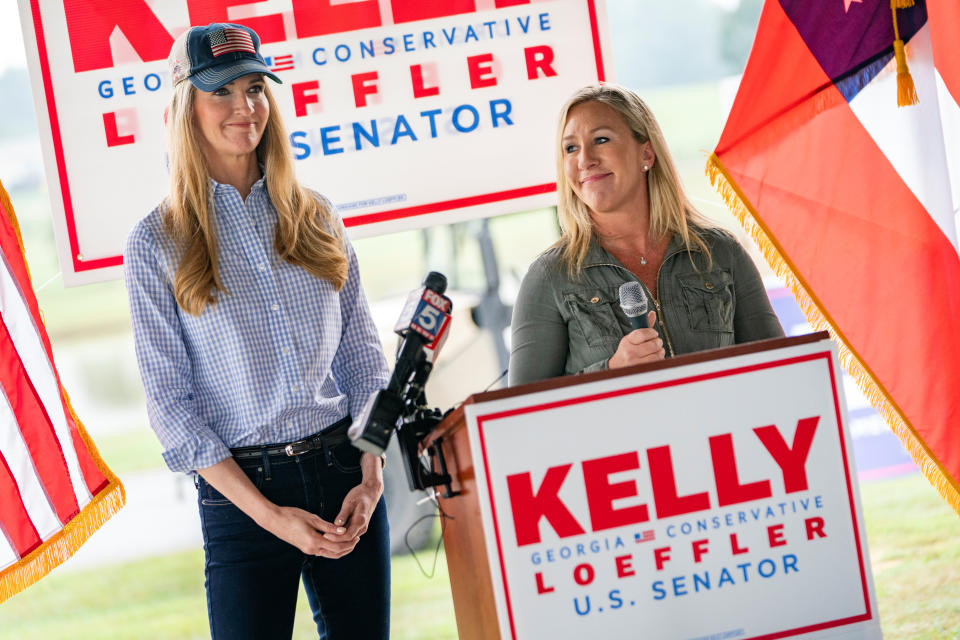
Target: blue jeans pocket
345 458
210 497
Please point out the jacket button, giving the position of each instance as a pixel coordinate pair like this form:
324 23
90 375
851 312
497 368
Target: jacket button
708 284
594 299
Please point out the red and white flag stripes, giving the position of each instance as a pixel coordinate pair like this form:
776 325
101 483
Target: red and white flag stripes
55 491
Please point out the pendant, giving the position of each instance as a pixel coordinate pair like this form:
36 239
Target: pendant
643 261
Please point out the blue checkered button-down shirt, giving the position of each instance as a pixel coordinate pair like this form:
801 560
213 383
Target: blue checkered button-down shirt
279 357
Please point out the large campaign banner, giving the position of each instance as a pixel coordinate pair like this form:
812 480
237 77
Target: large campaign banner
405 113
710 500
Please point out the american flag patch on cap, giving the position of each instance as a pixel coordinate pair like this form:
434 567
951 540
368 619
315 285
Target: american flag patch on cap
229 40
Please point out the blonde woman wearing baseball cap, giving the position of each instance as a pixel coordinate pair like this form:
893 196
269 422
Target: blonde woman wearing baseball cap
255 345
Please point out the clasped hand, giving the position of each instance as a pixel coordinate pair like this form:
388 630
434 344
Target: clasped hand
315 536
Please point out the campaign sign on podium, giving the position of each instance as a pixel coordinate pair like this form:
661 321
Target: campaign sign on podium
710 500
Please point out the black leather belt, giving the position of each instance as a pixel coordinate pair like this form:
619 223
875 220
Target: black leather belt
330 437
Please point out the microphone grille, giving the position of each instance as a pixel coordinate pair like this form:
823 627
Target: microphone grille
632 299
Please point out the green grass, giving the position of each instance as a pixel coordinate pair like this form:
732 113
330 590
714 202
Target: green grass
163 598
914 541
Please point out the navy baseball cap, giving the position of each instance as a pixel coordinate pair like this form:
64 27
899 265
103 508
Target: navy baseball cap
215 55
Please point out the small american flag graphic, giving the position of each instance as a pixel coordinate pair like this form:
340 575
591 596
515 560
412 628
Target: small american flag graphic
230 40
280 63
644 536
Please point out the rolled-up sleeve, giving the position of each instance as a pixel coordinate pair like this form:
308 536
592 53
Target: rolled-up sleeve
358 366
163 360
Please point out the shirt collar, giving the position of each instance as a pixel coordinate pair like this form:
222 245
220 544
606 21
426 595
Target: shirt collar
257 186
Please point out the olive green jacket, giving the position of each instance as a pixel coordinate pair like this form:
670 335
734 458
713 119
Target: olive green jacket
563 326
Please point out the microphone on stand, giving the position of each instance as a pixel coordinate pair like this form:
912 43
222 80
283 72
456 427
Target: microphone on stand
402 406
422 326
633 301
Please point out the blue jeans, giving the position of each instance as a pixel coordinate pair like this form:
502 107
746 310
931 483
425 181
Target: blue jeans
251 575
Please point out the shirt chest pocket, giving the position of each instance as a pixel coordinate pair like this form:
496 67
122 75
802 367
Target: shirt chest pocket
592 316
709 300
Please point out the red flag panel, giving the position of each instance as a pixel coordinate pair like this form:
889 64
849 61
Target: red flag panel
944 23
832 214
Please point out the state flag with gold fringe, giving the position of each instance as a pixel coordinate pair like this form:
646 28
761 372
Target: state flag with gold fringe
841 157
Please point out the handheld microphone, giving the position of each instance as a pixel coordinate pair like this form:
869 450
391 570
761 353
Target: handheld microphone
422 325
634 304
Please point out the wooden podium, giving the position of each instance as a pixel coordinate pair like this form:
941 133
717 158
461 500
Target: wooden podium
476 576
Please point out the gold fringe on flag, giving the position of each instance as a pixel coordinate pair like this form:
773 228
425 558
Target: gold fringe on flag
906 91
59 547
8 207
820 320
63 544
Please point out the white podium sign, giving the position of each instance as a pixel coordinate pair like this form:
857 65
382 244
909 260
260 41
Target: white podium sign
711 500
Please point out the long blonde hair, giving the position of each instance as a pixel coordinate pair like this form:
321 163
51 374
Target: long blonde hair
306 233
670 210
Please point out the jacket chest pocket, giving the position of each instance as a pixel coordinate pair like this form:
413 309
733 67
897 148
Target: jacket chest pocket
592 315
708 299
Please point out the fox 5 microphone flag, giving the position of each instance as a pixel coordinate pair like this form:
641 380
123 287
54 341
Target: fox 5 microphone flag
841 157
55 491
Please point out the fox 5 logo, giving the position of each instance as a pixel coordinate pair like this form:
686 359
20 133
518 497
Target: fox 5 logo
428 320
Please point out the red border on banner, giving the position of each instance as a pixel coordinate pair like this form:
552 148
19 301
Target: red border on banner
369 218
458 203
671 383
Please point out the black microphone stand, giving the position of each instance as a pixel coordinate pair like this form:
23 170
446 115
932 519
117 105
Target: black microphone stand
418 421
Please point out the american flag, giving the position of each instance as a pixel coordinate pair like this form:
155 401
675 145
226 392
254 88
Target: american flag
55 491
644 536
280 63
229 40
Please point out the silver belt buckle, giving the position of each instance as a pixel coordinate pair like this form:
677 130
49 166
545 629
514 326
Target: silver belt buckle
296 448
